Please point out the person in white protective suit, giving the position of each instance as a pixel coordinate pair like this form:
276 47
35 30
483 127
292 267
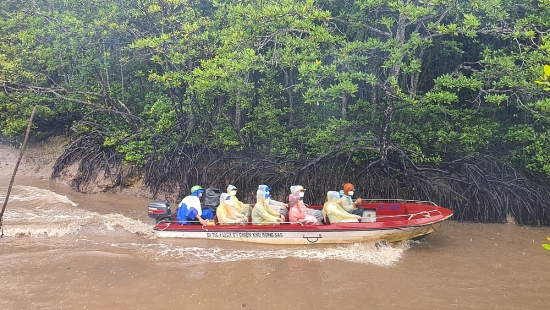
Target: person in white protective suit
242 208
262 214
226 213
335 212
278 206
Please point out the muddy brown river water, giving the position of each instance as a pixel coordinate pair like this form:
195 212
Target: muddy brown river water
64 250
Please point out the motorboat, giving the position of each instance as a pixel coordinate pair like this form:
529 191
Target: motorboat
391 220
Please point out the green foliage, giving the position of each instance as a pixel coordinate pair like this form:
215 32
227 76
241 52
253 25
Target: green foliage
437 78
136 152
545 245
544 79
430 133
532 148
334 132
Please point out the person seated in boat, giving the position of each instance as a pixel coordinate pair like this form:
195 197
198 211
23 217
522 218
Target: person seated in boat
278 206
297 211
242 208
334 211
226 212
190 209
262 214
300 190
347 202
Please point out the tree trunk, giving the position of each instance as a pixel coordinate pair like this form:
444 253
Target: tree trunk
390 93
288 89
344 105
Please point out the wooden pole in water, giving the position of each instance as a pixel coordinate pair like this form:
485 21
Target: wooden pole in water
14 172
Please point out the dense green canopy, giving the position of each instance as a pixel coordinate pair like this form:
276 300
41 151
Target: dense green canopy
425 99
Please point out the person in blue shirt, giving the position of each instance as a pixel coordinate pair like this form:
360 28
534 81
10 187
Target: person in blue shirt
190 209
353 207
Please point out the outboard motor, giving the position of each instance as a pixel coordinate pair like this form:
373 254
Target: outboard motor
160 211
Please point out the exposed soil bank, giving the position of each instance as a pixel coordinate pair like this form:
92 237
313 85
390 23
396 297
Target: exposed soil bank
39 158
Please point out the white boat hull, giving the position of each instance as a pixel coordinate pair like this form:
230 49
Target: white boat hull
306 237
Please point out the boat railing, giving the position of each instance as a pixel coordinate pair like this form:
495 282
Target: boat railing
426 214
372 200
169 222
259 224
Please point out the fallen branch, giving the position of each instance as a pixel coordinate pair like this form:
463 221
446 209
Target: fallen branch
14 172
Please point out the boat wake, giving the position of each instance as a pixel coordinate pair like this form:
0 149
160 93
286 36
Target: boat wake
375 253
37 195
39 212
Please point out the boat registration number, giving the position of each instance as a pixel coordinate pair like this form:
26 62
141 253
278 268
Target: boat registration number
244 235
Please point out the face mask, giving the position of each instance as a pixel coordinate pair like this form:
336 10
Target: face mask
302 194
350 193
200 195
267 200
233 193
229 203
